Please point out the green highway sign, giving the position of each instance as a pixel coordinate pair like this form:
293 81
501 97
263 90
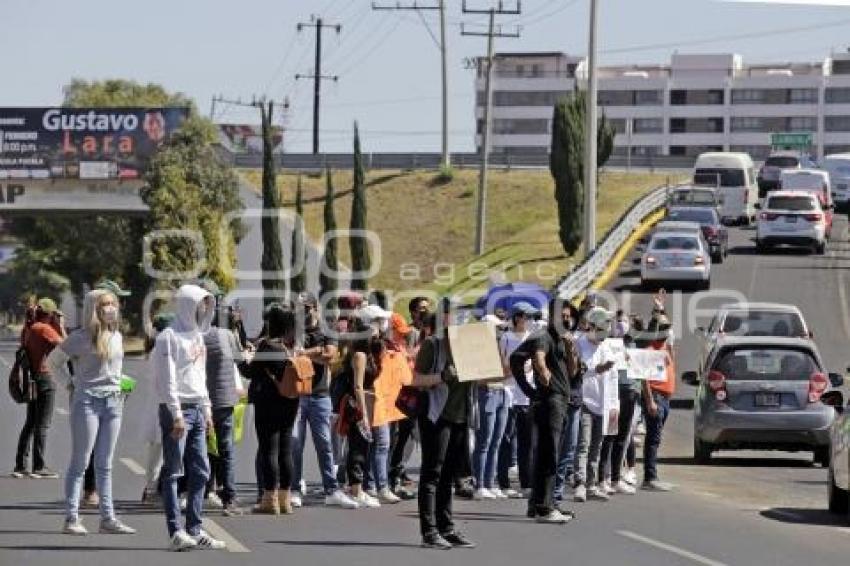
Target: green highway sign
788 139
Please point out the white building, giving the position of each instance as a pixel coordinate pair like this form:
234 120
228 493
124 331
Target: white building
697 103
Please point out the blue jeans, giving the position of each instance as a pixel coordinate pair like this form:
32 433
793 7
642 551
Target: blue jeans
191 448
316 411
377 473
223 464
493 410
95 423
567 451
654 428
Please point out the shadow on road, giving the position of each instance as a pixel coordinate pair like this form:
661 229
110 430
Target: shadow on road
66 548
344 543
726 462
804 516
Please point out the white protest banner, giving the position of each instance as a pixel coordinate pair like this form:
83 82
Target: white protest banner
650 365
475 351
617 351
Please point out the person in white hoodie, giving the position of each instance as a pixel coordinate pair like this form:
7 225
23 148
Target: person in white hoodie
185 414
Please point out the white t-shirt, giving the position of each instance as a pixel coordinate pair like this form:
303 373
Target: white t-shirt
509 342
593 385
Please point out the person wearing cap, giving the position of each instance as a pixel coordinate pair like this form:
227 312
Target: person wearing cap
656 402
600 375
316 410
520 427
39 339
112 287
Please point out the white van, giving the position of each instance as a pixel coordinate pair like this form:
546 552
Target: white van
838 167
734 175
809 180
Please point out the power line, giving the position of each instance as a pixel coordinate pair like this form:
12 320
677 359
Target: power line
317 76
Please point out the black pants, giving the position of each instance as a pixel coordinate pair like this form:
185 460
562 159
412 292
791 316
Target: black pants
628 401
89 481
441 441
357 459
463 455
520 430
401 432
550 414
274 422
39 416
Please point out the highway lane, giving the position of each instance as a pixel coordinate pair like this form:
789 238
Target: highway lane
748 508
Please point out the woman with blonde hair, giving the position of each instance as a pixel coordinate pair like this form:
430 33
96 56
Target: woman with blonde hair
97 352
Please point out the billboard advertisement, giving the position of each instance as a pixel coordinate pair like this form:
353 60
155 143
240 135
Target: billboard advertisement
82 143
248 138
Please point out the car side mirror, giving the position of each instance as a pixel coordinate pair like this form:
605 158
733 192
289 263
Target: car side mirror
690 377
834 399
836 379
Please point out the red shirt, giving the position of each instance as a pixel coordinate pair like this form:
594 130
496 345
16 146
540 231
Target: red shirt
39 341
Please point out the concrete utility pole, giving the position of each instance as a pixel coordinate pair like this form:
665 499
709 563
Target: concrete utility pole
441 6
316 22
590 141
492 33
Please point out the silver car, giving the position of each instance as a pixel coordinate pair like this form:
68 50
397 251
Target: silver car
676 257
762 393
838 484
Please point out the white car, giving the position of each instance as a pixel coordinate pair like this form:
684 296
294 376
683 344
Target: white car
838 482
838 167
791 218
676 257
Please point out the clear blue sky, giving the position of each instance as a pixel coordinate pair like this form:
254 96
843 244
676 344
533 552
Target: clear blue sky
387 63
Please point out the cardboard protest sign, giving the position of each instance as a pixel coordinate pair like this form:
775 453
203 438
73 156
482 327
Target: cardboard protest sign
475 351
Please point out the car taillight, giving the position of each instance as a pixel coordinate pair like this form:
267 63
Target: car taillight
650 262
817 385
768 216
717 384
698 260
814 217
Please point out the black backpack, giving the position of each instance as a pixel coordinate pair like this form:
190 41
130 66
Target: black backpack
22 387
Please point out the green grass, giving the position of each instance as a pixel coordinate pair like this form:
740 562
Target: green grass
430 222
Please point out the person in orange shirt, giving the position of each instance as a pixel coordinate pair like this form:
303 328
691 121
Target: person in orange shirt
656 403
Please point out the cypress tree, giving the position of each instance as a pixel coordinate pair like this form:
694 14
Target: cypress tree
298 281
272 259
327 273
360 261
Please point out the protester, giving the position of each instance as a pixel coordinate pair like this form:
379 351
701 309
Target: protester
443 430
179 361
566 469
274 415
656 402
557 388
317 409
152 433
519 431
39 339
97 352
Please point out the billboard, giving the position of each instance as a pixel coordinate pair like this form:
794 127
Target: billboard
248 138
82 143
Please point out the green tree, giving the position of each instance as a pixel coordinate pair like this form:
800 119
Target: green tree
298 280
566 163
272 259
360 260
329 264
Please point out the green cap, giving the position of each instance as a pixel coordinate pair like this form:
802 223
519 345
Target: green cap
48 305
112 287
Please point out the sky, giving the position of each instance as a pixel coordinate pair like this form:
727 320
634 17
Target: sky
387 63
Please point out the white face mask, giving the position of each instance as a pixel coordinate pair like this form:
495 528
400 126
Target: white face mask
384 326
109 314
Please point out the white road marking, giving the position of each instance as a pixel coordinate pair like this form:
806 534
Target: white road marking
752 288
62 411
671 549
218 532
842 295
133 466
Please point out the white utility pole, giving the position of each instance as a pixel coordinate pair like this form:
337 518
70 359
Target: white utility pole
590 141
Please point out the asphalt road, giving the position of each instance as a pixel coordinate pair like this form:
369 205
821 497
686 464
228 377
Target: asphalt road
752 508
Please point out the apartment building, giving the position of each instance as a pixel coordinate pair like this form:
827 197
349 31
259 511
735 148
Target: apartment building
696 103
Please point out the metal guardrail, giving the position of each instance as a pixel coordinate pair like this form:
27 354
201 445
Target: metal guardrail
581 277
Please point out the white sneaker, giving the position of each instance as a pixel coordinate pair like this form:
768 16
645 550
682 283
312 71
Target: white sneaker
181 541
295 499
337 499
183 503
302 486
498 493
597 493
580 494
213 501
554 517
513 471
630 477
75 527
483 493
607 488
205 541
366 501
115 527
623 487
511 493
387 496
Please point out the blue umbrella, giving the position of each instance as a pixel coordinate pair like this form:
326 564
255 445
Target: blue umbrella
507 295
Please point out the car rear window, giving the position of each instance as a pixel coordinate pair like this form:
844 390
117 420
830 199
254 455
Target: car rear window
675 243
728 177
692 215
790 203
777 364
782 161
763 323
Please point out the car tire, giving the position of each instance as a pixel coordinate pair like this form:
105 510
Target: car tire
822 456
839 499
702 451
646 285
705 285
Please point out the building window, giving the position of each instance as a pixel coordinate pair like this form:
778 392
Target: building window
836 95
520 70
647 125
520 126
837 124
648 97
523 98
696 97
677 125
803 96
536 71
696 125
802 124
617 124
678 97
747 96
746 124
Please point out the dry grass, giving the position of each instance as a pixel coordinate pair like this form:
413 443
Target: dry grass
432 225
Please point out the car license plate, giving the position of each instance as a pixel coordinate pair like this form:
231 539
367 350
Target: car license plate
790 219
767 399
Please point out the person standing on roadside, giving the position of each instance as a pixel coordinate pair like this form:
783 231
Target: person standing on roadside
97 352
185 414
656 403
39 339
557 375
